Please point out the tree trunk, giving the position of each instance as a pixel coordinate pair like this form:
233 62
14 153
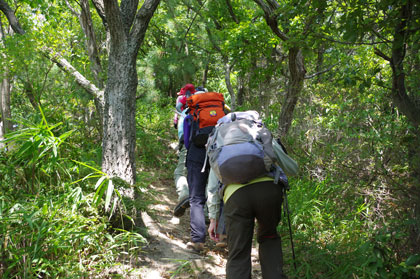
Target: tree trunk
5 105
118 145
29 91
241 90
410 108
5 111
93 53
297 76
91 46
85 19
205 74
127 28
414 161
296 65
2 132
6 115
229 86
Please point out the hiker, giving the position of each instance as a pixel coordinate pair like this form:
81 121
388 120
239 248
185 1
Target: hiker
259 198
206 107
180 172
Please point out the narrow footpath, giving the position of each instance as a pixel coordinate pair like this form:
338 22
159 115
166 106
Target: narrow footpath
166 255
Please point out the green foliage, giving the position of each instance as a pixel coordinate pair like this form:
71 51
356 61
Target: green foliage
58 236
35 155
104 187
50 226
155 133
335 243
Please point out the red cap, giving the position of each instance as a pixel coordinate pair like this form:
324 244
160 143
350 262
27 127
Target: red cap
189 87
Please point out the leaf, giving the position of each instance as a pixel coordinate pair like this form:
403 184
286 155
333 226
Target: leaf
109 192
91 175
45 209
114 205
65 135
90 167
413 260
99 193
100 181
55 150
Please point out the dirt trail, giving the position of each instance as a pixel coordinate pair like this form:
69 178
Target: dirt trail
167 256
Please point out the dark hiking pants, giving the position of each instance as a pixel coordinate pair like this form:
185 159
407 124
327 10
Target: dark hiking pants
197 182
261 201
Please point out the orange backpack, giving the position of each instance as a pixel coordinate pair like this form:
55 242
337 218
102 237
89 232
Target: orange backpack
206 108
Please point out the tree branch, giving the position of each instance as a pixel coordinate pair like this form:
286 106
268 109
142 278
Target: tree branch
73 11
11 17
141 22
116 25
100 9
197 12
128 12
348 43
271 17
201 3
80 79
321 72
383 55
191 23
231 12
212 41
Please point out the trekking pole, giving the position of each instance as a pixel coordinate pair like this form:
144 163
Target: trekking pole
287 212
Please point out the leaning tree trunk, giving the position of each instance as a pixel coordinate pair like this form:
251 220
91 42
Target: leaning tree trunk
11 17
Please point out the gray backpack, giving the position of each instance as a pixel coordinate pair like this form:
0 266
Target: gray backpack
240 148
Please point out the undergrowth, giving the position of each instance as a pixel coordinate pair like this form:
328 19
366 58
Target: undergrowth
334 242
57 209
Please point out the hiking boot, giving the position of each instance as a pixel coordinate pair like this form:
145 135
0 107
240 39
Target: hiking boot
195 246
222 241
181 207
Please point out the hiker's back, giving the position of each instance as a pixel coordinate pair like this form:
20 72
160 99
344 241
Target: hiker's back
206 108
241 149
